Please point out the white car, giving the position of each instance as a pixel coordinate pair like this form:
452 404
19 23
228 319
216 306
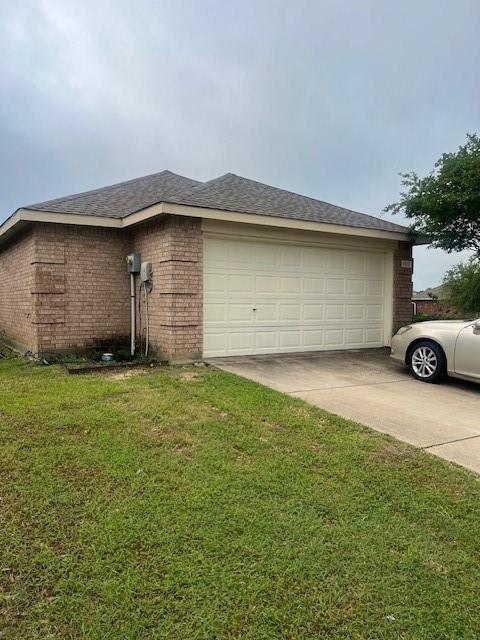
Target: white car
433 350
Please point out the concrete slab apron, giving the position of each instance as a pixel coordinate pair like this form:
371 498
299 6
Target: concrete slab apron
367 387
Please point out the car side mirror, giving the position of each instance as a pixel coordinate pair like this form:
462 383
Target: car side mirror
476 326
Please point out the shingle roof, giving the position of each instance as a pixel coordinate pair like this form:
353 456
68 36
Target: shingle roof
120 200
432 293
234 193
228 193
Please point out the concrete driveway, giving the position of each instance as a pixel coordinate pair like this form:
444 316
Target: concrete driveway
366 386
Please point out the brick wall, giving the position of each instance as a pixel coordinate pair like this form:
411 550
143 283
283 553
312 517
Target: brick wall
430 307
66 287
81 292
16 280
174 247
402 286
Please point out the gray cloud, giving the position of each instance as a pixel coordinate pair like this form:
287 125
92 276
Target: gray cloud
328 98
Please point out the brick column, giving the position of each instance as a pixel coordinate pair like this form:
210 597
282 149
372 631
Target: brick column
174 246
48 287
402 285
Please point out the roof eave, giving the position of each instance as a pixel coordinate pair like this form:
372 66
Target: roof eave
421 239
280 221
30 215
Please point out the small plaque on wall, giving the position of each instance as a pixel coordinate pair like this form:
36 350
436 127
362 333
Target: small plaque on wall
406 264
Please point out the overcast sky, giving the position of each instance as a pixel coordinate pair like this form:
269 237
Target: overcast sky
329 98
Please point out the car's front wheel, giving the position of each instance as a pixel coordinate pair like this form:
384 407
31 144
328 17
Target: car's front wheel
427 362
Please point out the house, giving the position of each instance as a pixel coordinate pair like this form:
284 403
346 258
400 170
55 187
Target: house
428 301
238 267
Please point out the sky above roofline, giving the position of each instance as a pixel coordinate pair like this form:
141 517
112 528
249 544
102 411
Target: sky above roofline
330 99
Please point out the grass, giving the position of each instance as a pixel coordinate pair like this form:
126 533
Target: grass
189 503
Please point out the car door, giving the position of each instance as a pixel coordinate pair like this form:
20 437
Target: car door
467 351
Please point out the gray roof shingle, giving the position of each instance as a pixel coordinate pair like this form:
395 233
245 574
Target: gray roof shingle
228 193
234 193
432 293
122 199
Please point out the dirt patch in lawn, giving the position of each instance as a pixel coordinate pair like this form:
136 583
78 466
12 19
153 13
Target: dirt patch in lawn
391 453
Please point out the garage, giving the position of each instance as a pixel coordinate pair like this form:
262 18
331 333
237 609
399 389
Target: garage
239 268
265 297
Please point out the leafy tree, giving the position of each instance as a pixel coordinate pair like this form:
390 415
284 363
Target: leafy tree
461 286
445 205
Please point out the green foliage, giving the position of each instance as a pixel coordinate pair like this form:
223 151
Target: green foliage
462 286
425 317
190 504
445 205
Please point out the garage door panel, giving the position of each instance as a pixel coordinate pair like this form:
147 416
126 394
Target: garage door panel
334 337
312 259
239 341
267 255
217 254
240 283
355 287
289 312
354 337
241 254
335 311
375 263
354 311
215 283
335 286
267 313
262 297
334 261
240 313
375 288
292 286
355 263
313 312
215 312
215 343
374 312
313 286
290 339
266 340
313 339
374 336
268 285
291 256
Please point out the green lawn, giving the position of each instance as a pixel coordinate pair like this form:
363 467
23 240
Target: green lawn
188 503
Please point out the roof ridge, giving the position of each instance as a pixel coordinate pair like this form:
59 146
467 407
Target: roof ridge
197 189
89 192
229 192
287 191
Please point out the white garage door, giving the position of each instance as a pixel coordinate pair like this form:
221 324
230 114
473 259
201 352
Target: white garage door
262 297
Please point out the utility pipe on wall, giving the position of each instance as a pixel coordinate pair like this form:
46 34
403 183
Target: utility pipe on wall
147 320
132 315
133 266
146 276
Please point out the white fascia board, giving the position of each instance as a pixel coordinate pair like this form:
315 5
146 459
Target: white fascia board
29 215
266 221
22 216
68 218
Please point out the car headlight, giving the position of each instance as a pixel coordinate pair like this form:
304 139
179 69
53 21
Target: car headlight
403 330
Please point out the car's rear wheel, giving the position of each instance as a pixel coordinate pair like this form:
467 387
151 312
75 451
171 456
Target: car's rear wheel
427 361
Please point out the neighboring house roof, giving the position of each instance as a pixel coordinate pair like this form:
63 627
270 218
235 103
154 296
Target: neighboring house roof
227 193
433 293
